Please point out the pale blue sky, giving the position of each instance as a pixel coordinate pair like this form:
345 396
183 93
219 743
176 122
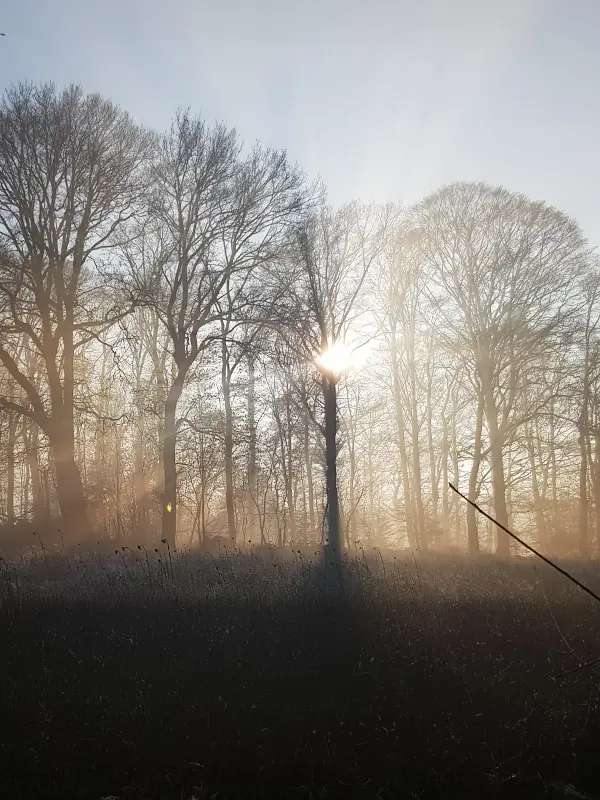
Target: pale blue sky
385 99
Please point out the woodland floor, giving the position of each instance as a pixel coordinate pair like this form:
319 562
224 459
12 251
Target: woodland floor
241 677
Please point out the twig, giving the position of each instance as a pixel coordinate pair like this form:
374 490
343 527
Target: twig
576 669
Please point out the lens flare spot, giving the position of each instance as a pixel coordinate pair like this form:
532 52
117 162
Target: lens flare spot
336 358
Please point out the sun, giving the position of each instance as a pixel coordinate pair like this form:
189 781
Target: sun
335 359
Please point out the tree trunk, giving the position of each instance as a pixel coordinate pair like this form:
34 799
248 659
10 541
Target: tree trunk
100 476
140 492
202 531
333 545
40 509
433 473
277 516
584 545
444 470
351 518
371 499
169 455
289 483
26 488
410 527
553 526
69 486
498 481
309 476
456 471
10 468
596 490
139 479
472 532
535 490
100 473
119 528
252 471
229 496
509 485
420 537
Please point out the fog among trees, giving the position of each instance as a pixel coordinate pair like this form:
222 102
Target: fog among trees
195 346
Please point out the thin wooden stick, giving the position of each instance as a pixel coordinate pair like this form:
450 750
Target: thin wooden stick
527 546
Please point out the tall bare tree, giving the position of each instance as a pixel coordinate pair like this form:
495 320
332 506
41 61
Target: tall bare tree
216 217
335 252
71 176
506 273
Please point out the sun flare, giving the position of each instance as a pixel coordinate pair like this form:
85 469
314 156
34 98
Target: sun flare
336 358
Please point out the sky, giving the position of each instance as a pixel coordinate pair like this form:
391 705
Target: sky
386 100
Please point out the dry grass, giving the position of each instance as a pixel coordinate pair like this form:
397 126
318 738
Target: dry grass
142 676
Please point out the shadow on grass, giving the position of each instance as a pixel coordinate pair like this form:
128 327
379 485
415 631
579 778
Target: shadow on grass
390 685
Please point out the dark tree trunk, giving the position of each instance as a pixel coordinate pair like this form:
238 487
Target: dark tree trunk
169 454
333 545
596 485
400 424
584 545
289 487
141 497
10 468
499 492
497 467
252 470
119 530
352 523
540 523
553 476
421 539
444 470
277 517
139 479
69 486
202 531
456 472
472 532
229 496
419 511
309 476
40 509
433 472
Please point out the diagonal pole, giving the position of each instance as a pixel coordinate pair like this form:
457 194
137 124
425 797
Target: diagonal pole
526 546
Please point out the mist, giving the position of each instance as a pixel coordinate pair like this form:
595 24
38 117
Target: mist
197 346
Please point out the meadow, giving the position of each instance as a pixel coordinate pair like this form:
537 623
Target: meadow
143 675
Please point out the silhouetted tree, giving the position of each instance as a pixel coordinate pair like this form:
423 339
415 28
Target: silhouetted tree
71 176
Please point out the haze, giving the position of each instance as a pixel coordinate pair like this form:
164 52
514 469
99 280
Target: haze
412 95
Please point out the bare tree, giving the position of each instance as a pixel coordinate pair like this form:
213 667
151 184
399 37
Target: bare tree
216 218
398 290
505 275
335 252
589 336
70 178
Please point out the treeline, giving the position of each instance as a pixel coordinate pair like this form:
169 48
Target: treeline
193 343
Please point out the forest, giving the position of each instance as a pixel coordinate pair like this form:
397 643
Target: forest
196 347
231 561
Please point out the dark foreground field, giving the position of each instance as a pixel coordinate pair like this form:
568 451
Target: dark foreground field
425 677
